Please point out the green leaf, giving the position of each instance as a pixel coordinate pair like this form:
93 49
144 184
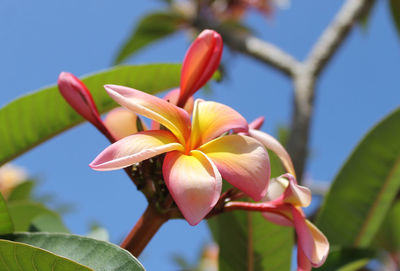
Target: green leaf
17 256
34 118
6 224
23 213
150 29
48 223
347 259
23 191
248 242
395 10
365 187
99 255
388 236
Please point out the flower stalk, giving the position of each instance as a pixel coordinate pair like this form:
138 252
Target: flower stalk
144 230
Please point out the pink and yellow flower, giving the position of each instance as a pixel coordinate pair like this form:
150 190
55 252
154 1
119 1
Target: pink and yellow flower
283 202
198 156
284 208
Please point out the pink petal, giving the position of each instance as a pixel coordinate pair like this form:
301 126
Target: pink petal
257 123
296 194
280 214
172 97
285 189
194 183
201 61
211 119
311 241
303 263
121 122
172 117
276 189
134 149
272 144
278 219
242 161
78 96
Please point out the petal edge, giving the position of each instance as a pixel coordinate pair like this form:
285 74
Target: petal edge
135 148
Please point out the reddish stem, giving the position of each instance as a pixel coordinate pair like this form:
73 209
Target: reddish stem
141 234
249 206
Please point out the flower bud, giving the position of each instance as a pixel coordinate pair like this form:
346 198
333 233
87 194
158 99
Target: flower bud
201 61
79 98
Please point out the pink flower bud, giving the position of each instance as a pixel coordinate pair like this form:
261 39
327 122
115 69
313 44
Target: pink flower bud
201 61
79 98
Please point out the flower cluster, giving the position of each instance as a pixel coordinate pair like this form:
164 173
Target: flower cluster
201 143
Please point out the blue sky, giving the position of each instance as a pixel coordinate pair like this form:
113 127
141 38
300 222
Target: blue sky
42 38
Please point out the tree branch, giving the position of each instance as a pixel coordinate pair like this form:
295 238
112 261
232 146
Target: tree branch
335 34
144 230
306 74
252 46
303 108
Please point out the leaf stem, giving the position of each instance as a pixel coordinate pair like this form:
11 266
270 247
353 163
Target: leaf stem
144 230
250 245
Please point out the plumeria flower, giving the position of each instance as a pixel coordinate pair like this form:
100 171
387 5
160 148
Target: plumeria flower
283 202
286 198
282 205
198 156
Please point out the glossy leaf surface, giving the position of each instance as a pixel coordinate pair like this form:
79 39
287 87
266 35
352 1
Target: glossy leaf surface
17 256
98 255
6 224
365 187
388 236
36 117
